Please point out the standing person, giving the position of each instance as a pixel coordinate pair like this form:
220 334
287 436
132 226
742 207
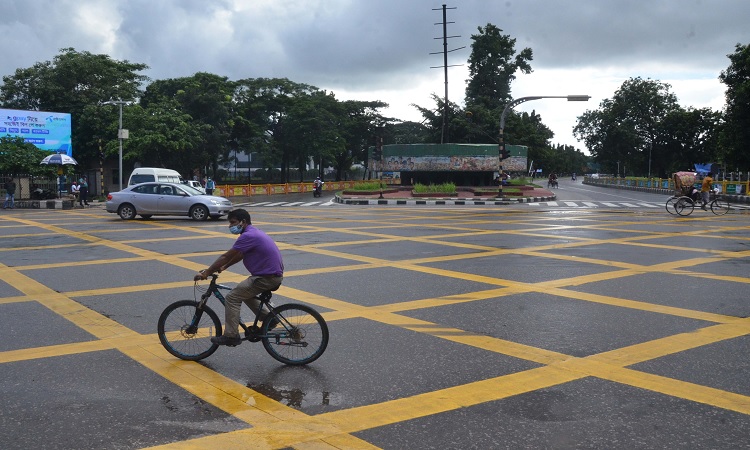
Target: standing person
83 192
210 186
262 259
706 189
10 194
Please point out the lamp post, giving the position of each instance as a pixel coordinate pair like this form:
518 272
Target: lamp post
121 134
508 107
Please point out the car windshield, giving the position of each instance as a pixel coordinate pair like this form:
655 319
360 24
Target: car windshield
190 190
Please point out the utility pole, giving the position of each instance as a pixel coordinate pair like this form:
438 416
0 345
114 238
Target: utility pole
101 169
444 23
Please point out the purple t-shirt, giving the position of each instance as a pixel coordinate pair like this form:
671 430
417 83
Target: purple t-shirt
260 254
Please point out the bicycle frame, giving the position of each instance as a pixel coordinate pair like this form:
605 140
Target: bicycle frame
215 289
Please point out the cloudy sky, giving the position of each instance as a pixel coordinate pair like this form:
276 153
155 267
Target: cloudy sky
380 49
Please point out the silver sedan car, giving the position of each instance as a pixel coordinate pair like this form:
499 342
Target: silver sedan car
166 199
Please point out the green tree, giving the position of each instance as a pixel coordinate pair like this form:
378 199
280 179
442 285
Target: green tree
312 130
22 158
406 132
207 99
563 159
166 137
529 130
492 67
627 128
72 82
459 128
735 133
687 137
263 104
361 124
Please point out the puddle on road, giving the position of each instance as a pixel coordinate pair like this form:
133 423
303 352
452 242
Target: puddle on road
297 398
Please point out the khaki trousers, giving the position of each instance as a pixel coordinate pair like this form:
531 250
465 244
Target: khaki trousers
245 292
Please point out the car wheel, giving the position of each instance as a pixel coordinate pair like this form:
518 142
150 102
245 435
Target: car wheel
146 216
199 212
126 211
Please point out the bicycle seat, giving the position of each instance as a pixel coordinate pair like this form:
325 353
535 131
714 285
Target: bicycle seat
264 296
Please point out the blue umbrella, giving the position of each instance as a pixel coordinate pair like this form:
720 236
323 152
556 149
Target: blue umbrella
59 159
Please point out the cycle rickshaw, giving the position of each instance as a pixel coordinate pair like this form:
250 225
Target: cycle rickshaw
687 195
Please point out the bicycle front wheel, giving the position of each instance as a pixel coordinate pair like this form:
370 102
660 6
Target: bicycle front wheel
684 206
295 334
186 331
670 205
719 206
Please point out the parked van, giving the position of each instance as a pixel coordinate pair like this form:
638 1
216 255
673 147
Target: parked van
149 174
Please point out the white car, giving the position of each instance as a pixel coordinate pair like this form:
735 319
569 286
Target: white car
195 185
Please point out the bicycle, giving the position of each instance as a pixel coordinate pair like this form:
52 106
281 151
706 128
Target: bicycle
293 334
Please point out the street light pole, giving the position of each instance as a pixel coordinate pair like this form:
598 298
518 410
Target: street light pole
121 134
508 107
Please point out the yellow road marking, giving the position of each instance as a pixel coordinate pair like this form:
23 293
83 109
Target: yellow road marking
276 426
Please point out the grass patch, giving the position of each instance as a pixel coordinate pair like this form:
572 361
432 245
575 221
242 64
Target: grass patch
369 186
435 188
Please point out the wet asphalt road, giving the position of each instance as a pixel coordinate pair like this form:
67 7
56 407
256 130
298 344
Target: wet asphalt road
474 327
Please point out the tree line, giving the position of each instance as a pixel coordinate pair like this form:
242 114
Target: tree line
202 121
643 130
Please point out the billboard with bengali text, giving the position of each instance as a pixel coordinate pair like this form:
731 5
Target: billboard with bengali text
48 131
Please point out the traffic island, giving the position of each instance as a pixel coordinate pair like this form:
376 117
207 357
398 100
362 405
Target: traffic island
464 196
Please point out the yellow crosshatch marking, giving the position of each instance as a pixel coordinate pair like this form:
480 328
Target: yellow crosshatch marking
274 425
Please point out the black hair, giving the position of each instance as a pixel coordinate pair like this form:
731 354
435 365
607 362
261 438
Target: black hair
240 215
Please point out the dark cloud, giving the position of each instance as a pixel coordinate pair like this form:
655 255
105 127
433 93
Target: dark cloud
339 40
366 47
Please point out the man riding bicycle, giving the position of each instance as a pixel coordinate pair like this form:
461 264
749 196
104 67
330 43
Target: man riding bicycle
261 258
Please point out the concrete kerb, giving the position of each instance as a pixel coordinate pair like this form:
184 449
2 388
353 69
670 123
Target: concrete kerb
43 204
430 201
54 204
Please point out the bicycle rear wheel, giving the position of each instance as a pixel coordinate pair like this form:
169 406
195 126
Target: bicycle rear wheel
295 334
719 206
684 206
185 331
